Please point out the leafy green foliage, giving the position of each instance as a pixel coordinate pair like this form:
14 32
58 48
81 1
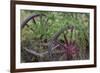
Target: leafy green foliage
46 26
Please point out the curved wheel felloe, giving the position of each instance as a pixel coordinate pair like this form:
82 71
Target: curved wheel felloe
32 17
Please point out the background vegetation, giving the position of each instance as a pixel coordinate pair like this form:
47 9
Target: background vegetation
45 27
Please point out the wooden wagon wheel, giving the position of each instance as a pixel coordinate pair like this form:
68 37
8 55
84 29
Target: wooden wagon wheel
68 49
35 19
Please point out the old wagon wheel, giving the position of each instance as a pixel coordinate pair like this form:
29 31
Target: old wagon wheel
68 49
34 23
